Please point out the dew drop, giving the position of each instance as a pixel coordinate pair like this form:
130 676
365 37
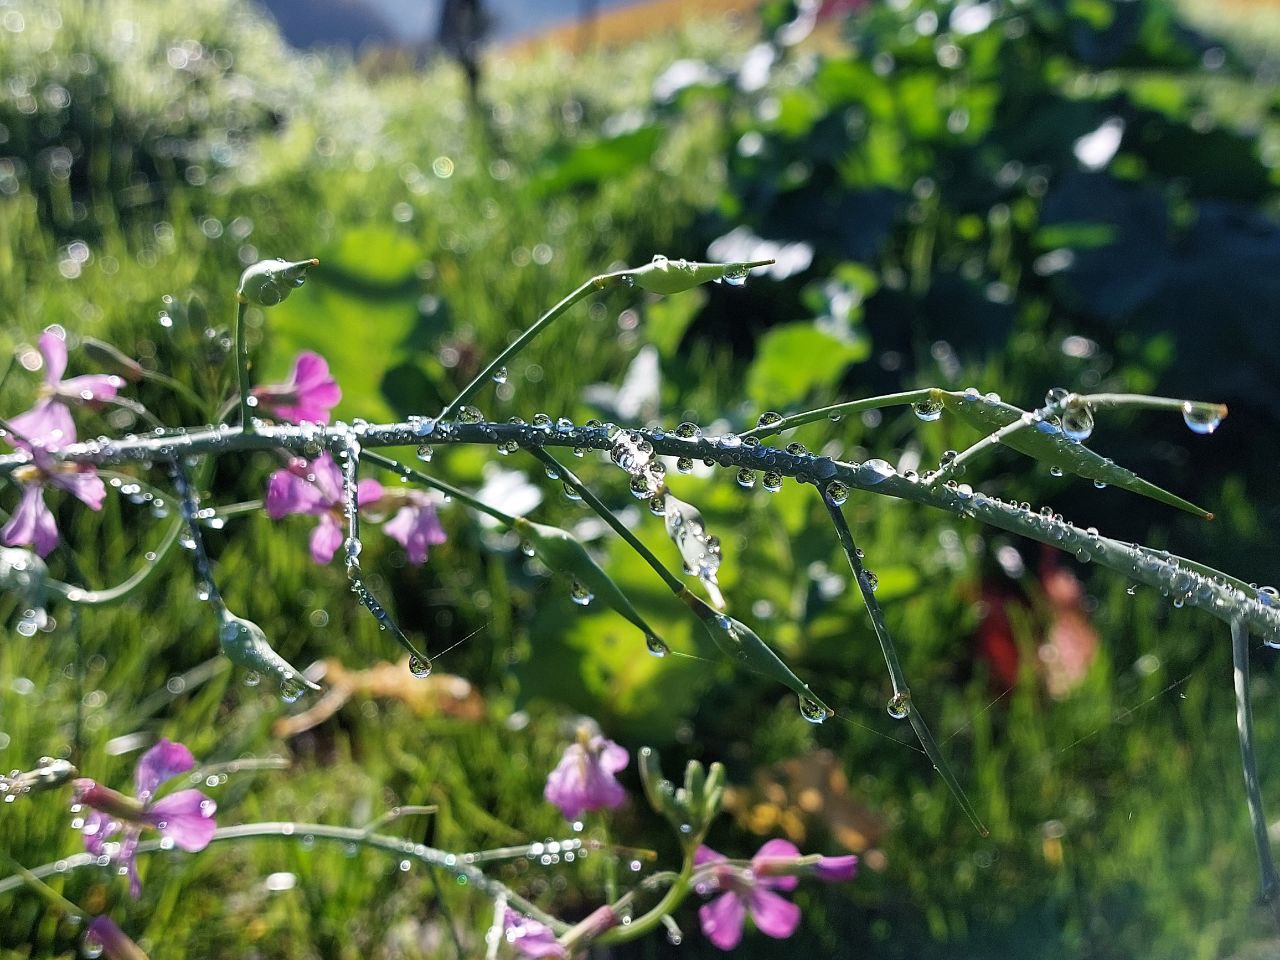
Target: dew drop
772 481
579 594
419 666
656 646
684 465
1055 471
500 375
876 471
425 453
291 689
899 706
571 494
871 580
1077 422
797 449
469 414
768 419
252 679
837 492
928 409
812 710
688 431
746 478
1200 419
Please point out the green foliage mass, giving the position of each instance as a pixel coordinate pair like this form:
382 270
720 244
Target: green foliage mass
931 165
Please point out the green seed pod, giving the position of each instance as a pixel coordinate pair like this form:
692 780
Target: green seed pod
245 644
672 276
111 359
562 552
268 282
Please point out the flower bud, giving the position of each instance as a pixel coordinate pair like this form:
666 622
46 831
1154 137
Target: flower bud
268 282
111 359
672 276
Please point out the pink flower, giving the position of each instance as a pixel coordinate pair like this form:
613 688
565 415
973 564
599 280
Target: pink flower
529 937
32 523
416 526
185 818
103 937
584 778
316 488
748 891
310 393
50 420
836 869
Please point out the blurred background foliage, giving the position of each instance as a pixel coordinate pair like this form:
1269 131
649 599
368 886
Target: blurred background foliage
1013 195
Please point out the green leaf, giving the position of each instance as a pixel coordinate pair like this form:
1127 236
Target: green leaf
794 359
1056 450
598 160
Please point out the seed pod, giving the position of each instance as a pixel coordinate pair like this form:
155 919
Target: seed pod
268 282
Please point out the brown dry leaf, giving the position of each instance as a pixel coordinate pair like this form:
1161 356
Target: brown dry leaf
438 693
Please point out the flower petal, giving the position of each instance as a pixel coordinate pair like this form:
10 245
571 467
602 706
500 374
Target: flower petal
785 853
102 935
612 757
368 491
529 937
775 916
32 523
326 538
705 854
721 920
836 869
415 528
289 493
48 424
53 347
82 483
92 388
162 762
186 818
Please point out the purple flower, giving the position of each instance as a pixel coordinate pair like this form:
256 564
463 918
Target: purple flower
185 818
316 488
103 937
748 891
584 778
32 522
310 393
529 937
836 869
50 420
416 526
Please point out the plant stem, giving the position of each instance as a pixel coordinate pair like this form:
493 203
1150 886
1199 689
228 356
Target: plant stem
242 369
435 484
837 410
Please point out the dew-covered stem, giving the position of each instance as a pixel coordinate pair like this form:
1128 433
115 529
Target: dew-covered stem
349 458
128 587
608 516
772 428
434 483
33 881
243 382
900 705
1249 764
188 509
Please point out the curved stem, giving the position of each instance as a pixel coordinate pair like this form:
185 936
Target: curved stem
650 920
428 481
544 321
837 410
242 369
126 588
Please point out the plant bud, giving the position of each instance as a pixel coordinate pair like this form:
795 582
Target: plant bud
268 282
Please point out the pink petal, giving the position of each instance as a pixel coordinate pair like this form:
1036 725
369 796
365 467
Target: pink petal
325 539
288 493
127 858
54 350
97 830
529 937
186 818
415 528
32 524
579 783
783 851
162 762
102 934
705 854
85 485
90 389
775 916
836 869
722 919
328 478
368 491
612 757
48 424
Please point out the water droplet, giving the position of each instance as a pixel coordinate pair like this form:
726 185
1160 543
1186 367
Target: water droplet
469 414
1132 589
579 594
768 419
772 481
688 431
746 478
837 492
684 465
425 453
797 449
570 493
656 646
876 471
811 710
871 580
736 278
928 409
291 689
1077 422
500 375
899 705
252 679
1202 420
1055 471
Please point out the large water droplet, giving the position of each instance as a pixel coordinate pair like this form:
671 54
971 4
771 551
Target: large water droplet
291 689
768 419
899 706
684 465
1055 395
579 594
746 478
1201 420
1077 422
656 646
500 375
425 453
811 710
469 414
419 666
876 471
772 481
837 492
928 409
688 431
